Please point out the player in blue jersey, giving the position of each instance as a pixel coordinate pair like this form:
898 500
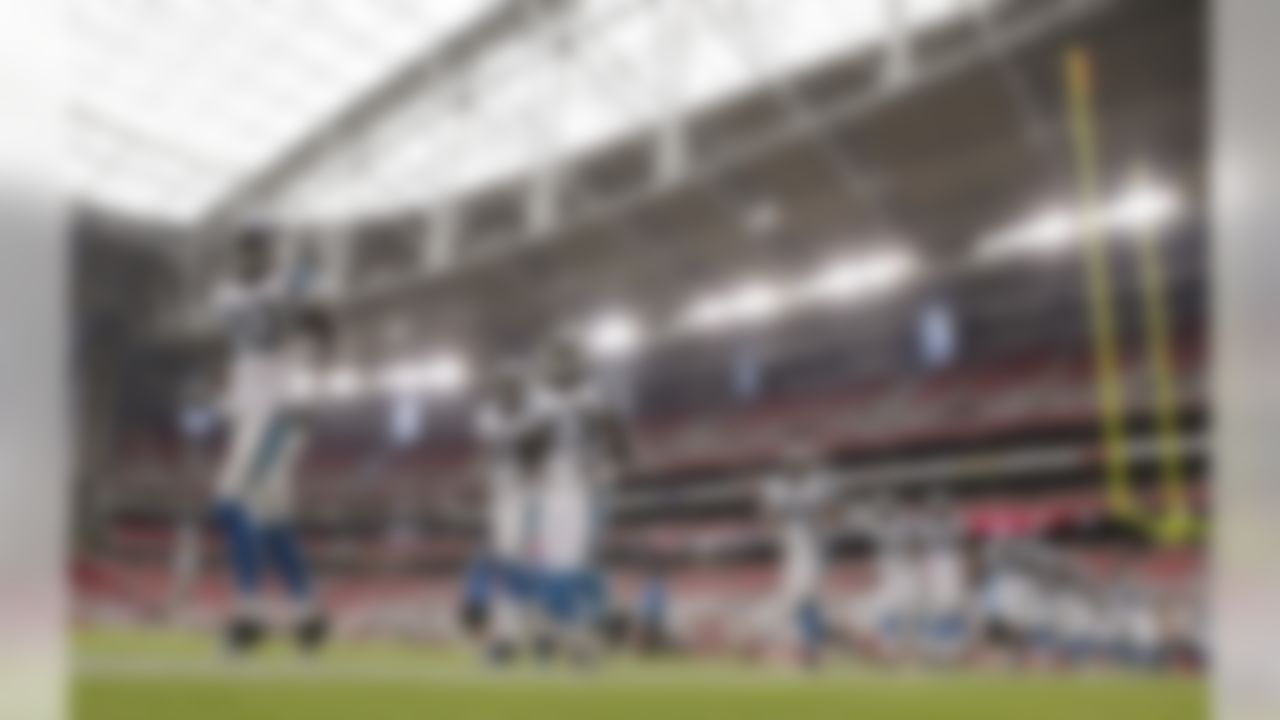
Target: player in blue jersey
797 499
895 598
271 332
944 579
580 450
501 585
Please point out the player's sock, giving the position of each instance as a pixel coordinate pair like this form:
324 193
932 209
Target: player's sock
242 548
242 634
282 547
506 629
581 646
245 629
500 652
545 647
477 597
812 633
312 631
312 628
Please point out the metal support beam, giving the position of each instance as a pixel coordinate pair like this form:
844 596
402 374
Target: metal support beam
707 173
1033 117
671 141
439 251
365 109
543 198
441 238
671 151
655 111
337 248
230 213
806 121
899 59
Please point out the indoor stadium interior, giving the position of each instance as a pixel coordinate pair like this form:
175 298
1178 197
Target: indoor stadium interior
894 315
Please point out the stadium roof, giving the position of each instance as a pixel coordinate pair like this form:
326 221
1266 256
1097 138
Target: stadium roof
333 109
178 101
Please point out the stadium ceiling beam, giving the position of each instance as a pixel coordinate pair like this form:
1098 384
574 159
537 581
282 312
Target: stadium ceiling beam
707 173
196 258
669 138
803 120
363 109
1032 114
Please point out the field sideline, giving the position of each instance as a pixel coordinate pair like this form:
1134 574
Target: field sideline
176 677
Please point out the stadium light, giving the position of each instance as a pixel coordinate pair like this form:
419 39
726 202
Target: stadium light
1048 232
343 383
759 301
406 420
756 302
1142 206
749 303
613 335
302 385
401 379
859 276
445 373
705 314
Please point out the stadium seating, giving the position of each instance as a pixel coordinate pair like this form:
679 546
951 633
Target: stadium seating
1016 395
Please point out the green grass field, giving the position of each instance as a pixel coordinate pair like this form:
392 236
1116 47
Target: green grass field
127 677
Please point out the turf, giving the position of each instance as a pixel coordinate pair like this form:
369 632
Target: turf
124 677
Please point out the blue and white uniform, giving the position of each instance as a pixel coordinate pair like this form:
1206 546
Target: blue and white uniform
651 609
509 497
1139 627
1011 593
997 584
254 492
896 595
1038 593
943 576
570 482
1076 625
265 437
796 507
